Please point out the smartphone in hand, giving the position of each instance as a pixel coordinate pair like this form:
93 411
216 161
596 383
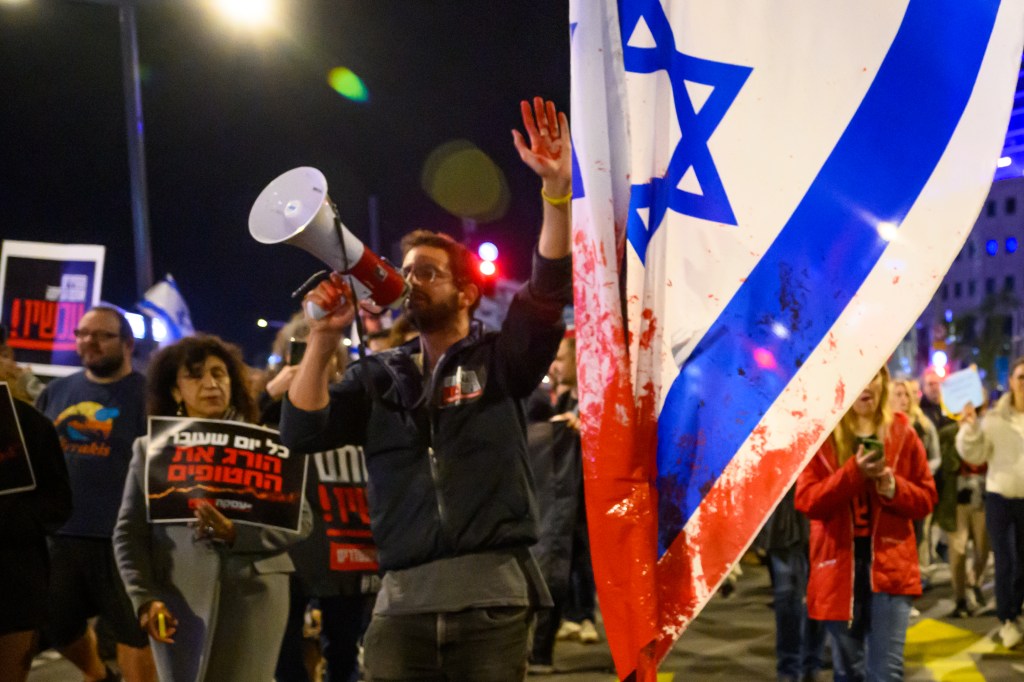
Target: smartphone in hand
873 446
296 349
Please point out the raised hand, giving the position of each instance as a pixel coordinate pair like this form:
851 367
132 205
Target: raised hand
549 153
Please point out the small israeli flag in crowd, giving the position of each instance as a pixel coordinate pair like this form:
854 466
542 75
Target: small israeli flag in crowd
165 303
776 188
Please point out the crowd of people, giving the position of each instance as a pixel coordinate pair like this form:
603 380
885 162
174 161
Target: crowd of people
899 488
459 447
422 439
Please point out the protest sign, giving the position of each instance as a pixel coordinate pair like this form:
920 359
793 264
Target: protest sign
339 499
16 473
962 387
44 290
242 470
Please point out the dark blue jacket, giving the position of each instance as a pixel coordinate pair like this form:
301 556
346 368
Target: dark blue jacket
446 454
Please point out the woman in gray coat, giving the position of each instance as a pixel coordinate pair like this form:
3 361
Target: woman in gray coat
212 595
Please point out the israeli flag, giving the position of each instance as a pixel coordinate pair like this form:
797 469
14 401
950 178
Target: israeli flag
777 189
164 303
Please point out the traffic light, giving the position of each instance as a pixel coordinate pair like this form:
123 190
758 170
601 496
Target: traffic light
488 266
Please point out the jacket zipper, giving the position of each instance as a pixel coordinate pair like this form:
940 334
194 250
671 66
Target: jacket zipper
435 468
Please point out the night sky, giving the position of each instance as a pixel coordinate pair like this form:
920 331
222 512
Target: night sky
226 112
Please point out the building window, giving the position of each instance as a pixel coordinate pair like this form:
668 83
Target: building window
958 290
990 208
945 292
1008 283
970 249
1011 205
971 289
990 285
1011 244
992 247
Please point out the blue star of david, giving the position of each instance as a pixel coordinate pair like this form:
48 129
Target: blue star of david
661 194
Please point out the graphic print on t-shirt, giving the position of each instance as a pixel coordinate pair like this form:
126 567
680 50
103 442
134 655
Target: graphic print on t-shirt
85 428
861 515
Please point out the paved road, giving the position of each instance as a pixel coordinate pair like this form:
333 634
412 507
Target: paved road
734 639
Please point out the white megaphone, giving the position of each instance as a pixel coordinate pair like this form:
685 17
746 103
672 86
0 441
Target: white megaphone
295 209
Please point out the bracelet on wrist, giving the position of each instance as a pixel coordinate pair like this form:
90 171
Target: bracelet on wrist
556 201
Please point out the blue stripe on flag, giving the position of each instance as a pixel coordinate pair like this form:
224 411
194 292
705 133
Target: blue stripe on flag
823 254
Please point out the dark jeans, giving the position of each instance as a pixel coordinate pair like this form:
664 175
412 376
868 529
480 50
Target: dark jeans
483 645
344 620
1005 519
798 639
581 603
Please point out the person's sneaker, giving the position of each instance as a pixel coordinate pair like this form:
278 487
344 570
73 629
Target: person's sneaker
568 630
1010 634
588 633
960 610
914 612
540 669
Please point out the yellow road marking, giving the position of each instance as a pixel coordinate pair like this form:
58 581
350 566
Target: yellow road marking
946 650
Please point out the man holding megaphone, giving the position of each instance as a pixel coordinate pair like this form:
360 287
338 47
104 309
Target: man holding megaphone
451 495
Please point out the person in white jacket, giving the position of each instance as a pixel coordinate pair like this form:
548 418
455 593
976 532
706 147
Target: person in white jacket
998 440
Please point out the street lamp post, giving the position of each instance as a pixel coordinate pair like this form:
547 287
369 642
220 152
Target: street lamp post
136 150
135 137
136 141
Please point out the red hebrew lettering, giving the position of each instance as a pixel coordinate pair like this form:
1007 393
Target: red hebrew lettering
204 472
15 317
357 503
254 478
176 472
325 503
233 475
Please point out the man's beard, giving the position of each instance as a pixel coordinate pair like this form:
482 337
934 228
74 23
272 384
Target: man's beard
432 317
106 366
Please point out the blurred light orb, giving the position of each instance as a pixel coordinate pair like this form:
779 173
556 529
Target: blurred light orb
1004 161
487 268
137 323
346 83
248 13
487 252
261 323
159 329
939 358
464 181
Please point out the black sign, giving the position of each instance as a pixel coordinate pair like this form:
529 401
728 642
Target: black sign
242 470
15 467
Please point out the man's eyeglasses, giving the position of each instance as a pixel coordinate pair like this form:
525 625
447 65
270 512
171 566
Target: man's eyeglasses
101 336
424 274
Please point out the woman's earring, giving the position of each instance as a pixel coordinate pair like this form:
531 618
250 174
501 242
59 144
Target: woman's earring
181 409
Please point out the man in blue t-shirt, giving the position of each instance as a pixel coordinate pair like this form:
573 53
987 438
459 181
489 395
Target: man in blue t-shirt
98 413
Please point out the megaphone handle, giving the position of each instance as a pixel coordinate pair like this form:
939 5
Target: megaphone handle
360 330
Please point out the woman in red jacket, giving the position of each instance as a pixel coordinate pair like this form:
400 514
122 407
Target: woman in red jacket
862 491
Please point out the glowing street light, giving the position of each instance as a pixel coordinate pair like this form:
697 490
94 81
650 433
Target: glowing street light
249 13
